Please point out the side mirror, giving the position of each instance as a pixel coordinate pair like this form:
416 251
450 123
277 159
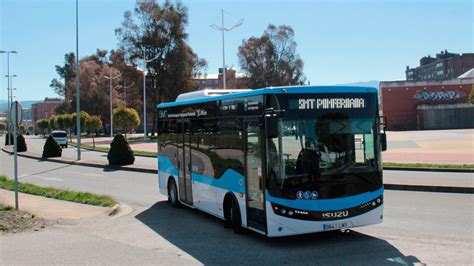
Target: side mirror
383 141
271 127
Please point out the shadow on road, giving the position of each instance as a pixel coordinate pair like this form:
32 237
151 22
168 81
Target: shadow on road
205 238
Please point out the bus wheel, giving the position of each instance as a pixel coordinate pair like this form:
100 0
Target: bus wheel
172 193
235 217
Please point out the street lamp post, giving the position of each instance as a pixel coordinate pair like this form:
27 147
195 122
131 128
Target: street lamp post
145 61
110 100
78 92
224 29
125 87
10 90
8 86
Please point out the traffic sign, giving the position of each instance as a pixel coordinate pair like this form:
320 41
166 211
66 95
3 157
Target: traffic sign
16 114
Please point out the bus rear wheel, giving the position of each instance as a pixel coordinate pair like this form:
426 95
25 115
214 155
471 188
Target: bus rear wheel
173 194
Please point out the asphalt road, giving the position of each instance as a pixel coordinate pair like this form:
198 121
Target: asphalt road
419 227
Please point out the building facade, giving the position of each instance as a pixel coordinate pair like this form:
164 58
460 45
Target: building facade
234 80
433 104
444 66
44 109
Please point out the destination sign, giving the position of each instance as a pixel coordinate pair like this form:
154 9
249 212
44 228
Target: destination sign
328 103
185 114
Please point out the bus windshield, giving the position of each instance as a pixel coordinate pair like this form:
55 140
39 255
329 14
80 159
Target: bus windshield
331 156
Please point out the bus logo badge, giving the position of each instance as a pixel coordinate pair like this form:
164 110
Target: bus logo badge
299 194
314 195
307 195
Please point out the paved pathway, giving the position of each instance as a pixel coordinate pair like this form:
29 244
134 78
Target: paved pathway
431 146
52 209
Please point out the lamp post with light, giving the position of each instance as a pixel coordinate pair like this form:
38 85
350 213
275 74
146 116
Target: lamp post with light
110 77
145 62
8 84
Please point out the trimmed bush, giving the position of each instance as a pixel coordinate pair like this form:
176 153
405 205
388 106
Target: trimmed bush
120 152
9 139
51 148
20 140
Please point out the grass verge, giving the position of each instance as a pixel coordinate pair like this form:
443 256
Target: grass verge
60 194
429 165
12 220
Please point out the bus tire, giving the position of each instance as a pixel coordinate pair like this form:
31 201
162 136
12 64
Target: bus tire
235 217
172 193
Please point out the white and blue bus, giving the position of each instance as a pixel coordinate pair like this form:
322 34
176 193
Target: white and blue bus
279 161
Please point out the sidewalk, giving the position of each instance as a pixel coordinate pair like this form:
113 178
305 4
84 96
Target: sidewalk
56 209
430 146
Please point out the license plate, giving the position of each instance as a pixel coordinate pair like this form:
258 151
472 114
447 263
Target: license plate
334 226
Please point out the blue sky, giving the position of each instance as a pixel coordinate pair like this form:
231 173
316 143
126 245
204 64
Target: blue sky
339 41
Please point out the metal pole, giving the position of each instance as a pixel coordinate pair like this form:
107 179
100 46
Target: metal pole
10 92
145 134
110 108
223 53
125 93
15 149
223 29
78 93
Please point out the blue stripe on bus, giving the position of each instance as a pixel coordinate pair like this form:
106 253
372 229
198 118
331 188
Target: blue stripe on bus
165 165
326 204
230 180
276 90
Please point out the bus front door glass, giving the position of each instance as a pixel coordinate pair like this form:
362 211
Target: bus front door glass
184 156
254 173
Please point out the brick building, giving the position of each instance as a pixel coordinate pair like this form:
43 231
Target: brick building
444 66
430 104
234 80
44 109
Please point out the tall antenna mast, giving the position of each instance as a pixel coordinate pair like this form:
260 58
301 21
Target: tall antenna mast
224 29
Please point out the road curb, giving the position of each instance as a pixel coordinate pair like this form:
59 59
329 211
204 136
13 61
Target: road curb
89 164
463 190
449 170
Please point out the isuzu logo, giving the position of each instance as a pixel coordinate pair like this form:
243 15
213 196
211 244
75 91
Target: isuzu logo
338 214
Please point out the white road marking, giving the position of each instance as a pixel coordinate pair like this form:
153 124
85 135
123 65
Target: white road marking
90 174
51 179
86 174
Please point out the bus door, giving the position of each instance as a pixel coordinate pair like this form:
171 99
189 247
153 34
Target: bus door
184 157
255 197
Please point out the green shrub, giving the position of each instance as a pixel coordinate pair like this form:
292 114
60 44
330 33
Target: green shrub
51 148
9 139
20 141
120 152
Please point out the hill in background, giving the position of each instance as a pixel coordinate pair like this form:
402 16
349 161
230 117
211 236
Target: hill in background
24 104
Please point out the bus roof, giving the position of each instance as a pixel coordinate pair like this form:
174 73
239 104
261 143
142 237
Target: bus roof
275 90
